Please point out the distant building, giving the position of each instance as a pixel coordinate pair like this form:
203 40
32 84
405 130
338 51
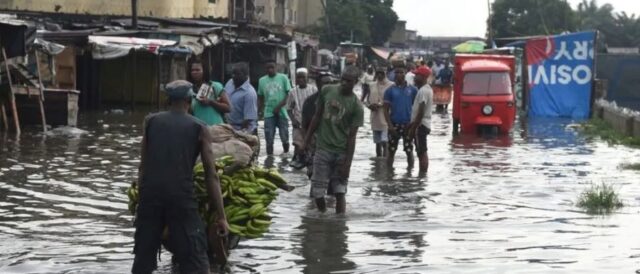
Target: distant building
310 13
441 44
277 12
411 38
399 35
150 8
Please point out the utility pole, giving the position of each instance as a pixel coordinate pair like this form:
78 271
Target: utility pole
489 25
134 14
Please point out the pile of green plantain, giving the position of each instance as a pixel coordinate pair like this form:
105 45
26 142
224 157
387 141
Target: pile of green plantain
247 194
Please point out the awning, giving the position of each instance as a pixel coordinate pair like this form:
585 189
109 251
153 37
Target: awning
48 47
110 47
175 50
382 53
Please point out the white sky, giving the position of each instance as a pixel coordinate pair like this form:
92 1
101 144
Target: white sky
467 17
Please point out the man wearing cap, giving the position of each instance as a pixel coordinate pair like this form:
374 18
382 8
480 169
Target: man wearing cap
421 110
375 102
295 101
171 143
398 100
338 116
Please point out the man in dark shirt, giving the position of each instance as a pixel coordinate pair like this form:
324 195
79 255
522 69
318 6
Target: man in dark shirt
171 143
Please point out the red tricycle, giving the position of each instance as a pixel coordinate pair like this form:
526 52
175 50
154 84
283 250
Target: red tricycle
483 93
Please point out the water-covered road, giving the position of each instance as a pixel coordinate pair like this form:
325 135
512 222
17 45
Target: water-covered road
487 206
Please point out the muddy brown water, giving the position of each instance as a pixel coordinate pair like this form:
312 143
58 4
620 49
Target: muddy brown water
499 205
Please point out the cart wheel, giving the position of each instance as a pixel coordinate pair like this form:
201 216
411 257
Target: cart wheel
456 126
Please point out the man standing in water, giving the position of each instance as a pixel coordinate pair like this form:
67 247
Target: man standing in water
171 143
244 101
398 100
295 102
421 114
211 101
375 103
273 90
338 116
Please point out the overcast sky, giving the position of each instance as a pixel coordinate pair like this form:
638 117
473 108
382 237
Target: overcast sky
466 17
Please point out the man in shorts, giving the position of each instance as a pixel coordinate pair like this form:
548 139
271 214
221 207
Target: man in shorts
421 114
398 101
375 103
338 116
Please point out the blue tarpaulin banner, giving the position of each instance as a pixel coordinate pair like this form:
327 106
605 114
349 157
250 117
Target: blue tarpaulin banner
561 75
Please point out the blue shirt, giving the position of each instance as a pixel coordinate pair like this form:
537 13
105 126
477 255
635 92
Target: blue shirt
401 101
244 105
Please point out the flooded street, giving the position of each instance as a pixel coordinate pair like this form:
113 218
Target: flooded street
502 205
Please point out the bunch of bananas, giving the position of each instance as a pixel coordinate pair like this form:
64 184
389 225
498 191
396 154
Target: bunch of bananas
247 194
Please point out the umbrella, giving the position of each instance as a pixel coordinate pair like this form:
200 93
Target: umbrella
471 46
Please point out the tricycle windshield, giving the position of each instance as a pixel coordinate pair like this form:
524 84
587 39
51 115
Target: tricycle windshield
486 83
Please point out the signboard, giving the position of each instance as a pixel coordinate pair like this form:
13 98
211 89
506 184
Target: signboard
561 75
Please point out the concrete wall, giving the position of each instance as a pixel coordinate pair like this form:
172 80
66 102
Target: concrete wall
269 15
310 12
158 8
622 120
399 34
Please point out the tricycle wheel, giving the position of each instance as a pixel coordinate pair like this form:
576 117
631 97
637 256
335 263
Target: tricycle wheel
456 126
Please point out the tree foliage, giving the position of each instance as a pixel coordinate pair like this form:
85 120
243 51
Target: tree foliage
369 21
616 29
540 17
531 17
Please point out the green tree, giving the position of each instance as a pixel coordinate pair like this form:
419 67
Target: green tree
531 17
616 29
367 21
382 19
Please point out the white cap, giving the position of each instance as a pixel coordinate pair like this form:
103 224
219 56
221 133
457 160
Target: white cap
302 70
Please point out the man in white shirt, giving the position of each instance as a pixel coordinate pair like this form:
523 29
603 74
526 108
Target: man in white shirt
375 102
421 111
295 101
410 76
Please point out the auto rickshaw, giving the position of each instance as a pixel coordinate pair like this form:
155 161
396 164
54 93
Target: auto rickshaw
483 93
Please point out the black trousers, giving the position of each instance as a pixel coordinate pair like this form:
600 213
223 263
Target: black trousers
187 238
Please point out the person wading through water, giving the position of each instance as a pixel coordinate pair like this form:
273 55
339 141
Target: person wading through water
398 101
171 143
375 102
339 114
273 90
421 111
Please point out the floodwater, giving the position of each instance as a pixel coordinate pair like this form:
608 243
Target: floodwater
502 205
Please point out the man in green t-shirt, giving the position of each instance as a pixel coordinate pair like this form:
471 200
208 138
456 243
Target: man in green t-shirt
338 116
273 90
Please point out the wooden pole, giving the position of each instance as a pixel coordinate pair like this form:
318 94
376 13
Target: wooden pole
5 124
12 98
159 66
41 97
133 81
134 14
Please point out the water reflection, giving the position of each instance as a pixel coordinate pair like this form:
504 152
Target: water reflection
325 245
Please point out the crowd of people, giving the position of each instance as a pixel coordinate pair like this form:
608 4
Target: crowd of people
325 118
